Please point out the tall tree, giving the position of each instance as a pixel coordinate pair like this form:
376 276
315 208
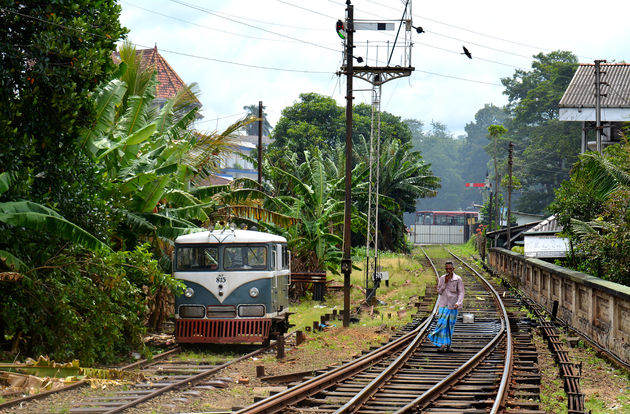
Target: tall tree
545 148
441 151
474 158
404 177
593 207
52 55
315 121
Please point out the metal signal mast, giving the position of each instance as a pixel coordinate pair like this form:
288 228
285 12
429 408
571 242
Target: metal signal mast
386 58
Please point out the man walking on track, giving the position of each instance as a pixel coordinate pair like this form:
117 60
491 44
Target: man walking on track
451 290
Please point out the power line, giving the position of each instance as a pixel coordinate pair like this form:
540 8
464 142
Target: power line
308 10
475 32
477 58
202 9
227 61
260 21
237 63
169 51
242 113
209 28
458 78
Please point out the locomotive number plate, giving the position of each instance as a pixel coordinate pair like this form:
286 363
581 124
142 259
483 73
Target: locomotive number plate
221 279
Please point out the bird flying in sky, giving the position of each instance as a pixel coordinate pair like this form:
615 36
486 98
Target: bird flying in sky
467 53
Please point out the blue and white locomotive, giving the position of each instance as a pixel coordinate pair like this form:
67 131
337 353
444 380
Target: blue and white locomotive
237 286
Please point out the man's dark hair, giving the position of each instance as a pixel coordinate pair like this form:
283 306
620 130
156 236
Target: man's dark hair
448 262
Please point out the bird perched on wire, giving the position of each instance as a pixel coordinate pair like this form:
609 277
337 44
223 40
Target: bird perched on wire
466 52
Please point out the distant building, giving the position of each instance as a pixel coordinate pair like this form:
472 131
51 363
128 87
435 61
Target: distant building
525 218
542 241
578 102
235 165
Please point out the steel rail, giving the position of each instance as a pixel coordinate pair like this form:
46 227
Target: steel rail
354 404
185 382
507 368
429 395
369 390
80 383
308 388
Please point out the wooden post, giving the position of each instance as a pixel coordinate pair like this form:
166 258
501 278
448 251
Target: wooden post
280 346
299 338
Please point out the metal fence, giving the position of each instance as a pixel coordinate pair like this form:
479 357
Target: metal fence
437 234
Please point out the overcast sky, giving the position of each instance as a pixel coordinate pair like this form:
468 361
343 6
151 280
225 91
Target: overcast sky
242 52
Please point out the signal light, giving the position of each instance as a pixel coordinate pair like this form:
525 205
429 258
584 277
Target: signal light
340 29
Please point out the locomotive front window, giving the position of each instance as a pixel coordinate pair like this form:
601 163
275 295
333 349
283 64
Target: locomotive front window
245 258
197 258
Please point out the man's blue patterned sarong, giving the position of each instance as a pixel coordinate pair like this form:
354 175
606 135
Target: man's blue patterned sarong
444 327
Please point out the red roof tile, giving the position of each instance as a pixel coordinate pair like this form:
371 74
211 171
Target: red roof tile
169 81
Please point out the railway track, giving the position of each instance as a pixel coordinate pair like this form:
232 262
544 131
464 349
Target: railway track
493 369
165 372
164 375
483 375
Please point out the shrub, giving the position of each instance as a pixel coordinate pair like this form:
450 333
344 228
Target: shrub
90 306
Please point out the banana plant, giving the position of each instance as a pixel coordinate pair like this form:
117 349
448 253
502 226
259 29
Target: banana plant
154 161
36 217
313 191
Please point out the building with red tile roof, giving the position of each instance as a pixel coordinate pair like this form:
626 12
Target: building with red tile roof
169 81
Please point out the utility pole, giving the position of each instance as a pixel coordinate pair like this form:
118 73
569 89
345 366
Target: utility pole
490 212
376 74
598 107
346 261
260 132
509 206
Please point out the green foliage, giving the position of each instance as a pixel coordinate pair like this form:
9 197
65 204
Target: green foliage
52 55
315 121
594 208
544 147
311 191
83 305
33 216
403 178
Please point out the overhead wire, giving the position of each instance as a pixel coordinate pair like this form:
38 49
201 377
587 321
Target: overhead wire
208 11
502 39
208 27
167 50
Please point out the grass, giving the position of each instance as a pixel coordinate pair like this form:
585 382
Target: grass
394 306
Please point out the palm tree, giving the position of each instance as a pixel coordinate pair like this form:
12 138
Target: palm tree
593 205
252 113
313 192
404 177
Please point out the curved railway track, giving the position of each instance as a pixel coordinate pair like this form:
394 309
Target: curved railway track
409 375
492 370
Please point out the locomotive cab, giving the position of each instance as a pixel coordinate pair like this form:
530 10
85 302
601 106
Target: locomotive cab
237 287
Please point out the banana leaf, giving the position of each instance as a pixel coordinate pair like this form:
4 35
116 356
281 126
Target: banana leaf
37 217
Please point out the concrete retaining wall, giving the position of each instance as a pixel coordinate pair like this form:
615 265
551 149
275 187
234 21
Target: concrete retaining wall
595 307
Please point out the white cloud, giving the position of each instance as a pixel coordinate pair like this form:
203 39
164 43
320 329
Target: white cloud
497 31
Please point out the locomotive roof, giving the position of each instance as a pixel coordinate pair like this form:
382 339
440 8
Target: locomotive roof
230 236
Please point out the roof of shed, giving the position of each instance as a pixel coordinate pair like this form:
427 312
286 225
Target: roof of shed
615 91
548 225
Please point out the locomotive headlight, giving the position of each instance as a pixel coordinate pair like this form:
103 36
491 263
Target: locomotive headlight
189 292
253 292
